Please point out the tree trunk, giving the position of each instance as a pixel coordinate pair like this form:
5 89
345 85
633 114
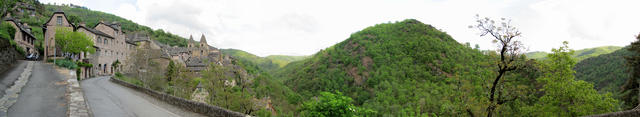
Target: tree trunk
492 105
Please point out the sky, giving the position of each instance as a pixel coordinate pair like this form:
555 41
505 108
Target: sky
303 27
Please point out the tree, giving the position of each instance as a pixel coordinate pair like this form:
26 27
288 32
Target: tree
331 105
74 19
6 6
73 42
504 34
115 64
171 71
630 89
565 96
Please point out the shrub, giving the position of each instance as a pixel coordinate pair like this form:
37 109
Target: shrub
66 64
118 74
83 64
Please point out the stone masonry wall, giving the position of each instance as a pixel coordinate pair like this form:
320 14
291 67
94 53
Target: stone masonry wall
8 55
627 113
198 107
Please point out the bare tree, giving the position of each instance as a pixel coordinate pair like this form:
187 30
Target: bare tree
504 35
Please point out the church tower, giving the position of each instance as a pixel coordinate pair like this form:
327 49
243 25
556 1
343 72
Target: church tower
190 42
204 47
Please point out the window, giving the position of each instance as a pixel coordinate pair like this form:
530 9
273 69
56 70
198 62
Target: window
105 41
59 20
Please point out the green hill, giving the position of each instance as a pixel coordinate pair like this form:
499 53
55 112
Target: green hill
79 15
607 72
579 54
268 64
400 68
282 60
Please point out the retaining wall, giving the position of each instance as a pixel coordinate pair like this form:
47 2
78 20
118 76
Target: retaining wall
627 113
198 107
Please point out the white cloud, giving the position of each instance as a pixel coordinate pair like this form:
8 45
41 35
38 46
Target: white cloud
302 27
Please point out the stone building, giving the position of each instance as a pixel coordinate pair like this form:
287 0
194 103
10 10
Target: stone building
23 36
112 48
109 40
196 56
57 20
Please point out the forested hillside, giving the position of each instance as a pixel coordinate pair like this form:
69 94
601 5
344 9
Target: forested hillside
396 68
77 15
607 72
579 55
413 69
268 64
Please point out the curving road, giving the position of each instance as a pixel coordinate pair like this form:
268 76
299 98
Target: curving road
43 95
107 99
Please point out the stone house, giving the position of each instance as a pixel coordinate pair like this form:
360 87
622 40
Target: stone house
22 8
23 36
111 47
57 20
109 40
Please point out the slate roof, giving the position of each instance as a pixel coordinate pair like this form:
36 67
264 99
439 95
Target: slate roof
44 26
137 37
112 25
195 62
22 28
97 32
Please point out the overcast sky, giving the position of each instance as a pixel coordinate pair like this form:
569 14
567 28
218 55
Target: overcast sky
302 27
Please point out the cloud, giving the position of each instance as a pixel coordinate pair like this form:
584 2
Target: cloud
303 27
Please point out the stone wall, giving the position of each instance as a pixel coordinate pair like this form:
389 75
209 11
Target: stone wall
8 55
627 113
198 107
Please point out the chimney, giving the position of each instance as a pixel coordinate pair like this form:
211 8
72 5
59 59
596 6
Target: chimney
83 24
25 24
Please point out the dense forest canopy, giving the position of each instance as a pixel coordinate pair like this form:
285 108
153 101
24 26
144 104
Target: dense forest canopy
404 68
579 54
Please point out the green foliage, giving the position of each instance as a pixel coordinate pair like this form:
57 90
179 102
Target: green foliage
630 90
7 31
75 20
268 64
607 72
579 54
66 63
73 42
83 64
403 68
283 60
92 18
134 81
332 105
171 71
565 96
118 74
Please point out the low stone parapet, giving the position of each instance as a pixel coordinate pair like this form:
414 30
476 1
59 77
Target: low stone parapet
627 113
198 107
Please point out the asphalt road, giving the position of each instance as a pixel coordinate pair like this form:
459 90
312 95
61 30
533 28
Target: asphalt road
43 95
11 75
107 99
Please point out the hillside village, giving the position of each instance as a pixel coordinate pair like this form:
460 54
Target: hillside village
401 68
112 44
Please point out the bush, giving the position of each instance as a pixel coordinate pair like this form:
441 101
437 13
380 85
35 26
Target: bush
66 64
83 64
7 31
78 72
118 74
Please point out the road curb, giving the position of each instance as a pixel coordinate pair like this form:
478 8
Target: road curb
77 106
12 94
198 107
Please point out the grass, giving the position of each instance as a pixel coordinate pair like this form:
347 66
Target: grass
128 79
